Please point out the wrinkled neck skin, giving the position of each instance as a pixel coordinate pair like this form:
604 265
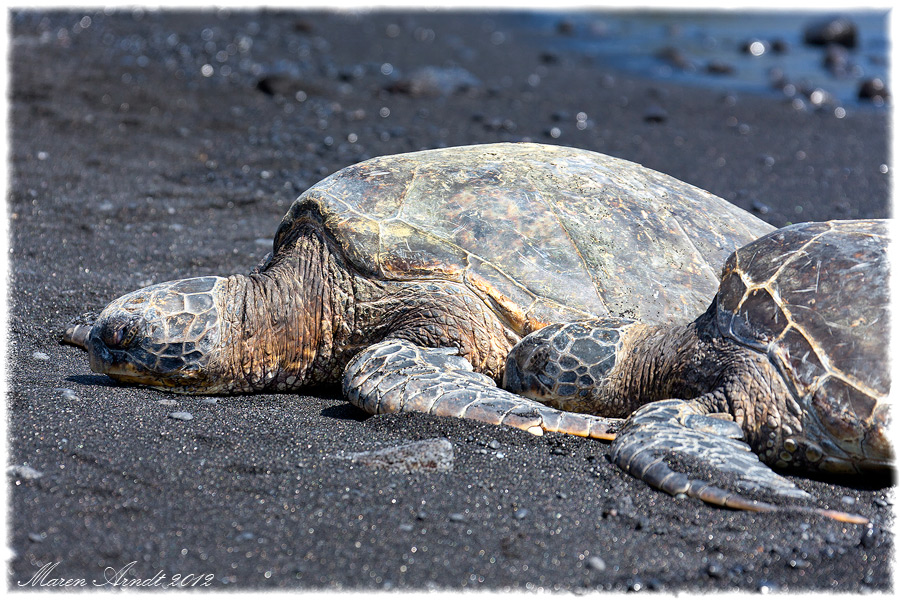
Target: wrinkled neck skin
654 366
278 326
297 322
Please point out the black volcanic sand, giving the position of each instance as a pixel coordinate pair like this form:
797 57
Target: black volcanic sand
129 166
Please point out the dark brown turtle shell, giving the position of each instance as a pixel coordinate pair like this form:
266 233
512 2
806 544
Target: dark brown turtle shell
815 298
541 233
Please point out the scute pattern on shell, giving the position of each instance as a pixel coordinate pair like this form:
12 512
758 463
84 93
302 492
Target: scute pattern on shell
787 295
542 233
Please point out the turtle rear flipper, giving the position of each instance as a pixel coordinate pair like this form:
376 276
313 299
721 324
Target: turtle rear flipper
396 375
666 437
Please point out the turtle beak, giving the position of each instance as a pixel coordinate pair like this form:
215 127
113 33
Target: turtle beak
77 335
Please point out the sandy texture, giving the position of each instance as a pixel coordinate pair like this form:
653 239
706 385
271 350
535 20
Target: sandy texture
130 166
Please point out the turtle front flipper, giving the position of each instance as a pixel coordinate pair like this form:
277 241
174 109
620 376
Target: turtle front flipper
396 375
663 438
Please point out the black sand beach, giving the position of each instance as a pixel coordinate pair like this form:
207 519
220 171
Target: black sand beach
148 146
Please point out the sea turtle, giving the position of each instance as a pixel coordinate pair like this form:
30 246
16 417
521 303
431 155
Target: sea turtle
793 352
467 248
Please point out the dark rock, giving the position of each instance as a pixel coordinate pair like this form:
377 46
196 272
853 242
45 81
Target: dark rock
288 86
565 27
718 67
780 46
675 58
655 114
549 57
759 207
874 90
303 26
838 30
435 81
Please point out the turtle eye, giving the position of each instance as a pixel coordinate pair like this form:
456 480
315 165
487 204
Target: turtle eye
119 334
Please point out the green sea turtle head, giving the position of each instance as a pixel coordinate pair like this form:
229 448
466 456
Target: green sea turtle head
165 336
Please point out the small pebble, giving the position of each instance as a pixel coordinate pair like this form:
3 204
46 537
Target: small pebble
848 500
493 444
869 537
209 401
24 472
40 356
36 537
596 563
456 517
715 570
181 416
167 402
754 47
521 513
407 527
68 394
